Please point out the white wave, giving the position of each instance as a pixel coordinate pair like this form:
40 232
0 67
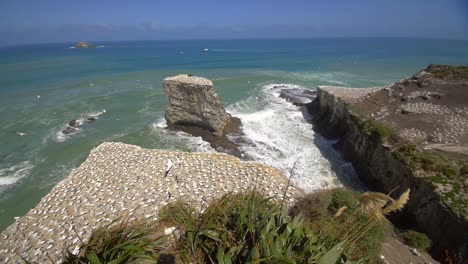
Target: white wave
171 138
12 174
96 114
281 138
61 137
336 78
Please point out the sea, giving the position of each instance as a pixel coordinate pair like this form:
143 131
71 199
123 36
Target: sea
44 86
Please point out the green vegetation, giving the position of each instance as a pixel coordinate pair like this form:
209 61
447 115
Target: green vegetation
344 215
431 163
444 174
370 126
416 239
121 242
250 228
245 228
445 71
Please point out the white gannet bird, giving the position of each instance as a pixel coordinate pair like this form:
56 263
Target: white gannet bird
21 133
169 165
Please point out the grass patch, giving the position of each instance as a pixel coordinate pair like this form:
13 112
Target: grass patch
445 71
121 242
370 126
247 228
382 131
416 239
345 215
432 164
244 228
439 171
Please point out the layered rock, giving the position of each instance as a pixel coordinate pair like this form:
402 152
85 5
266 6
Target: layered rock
437 205
196 108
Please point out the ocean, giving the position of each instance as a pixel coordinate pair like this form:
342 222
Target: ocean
43 87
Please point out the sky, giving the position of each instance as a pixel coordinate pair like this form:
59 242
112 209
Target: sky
43 21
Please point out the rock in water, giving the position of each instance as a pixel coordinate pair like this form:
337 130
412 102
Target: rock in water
195 108
84 45
193 100
298 96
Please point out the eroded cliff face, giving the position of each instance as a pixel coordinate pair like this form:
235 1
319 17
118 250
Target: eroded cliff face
195 108
381 169
193 100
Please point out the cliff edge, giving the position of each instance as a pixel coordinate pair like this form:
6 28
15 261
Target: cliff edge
411 134
119 180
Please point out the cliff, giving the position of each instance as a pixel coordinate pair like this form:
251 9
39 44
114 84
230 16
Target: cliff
403 136
119 180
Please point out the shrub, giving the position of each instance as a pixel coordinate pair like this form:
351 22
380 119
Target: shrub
122 242
243 228
354 218
248 228
416 239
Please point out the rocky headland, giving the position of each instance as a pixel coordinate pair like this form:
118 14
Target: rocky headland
374 128
196 108
119 180
411 134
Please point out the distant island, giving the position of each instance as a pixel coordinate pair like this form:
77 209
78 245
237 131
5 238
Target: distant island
84 45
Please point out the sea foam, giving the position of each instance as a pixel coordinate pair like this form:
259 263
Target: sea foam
11 174
281 137
172 138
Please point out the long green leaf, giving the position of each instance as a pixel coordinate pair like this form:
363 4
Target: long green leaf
93 258
220 255
333 255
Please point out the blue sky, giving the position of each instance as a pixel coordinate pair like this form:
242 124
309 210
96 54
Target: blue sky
37 21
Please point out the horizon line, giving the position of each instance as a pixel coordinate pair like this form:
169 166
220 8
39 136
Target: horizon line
241 38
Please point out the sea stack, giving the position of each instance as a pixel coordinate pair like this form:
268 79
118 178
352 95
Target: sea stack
196 108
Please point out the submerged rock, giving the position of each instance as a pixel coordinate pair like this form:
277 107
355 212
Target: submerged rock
74 123
196 108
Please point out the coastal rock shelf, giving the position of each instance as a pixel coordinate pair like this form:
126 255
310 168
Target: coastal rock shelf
119 180
411 134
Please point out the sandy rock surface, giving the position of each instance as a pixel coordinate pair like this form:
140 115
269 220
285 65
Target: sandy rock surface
119 180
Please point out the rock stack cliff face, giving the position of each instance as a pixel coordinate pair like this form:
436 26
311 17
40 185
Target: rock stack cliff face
437 204
195 108
193 101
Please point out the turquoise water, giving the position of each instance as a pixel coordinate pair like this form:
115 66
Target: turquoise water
42 87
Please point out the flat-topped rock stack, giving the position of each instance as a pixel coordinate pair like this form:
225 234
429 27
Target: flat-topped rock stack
196 108
119 180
